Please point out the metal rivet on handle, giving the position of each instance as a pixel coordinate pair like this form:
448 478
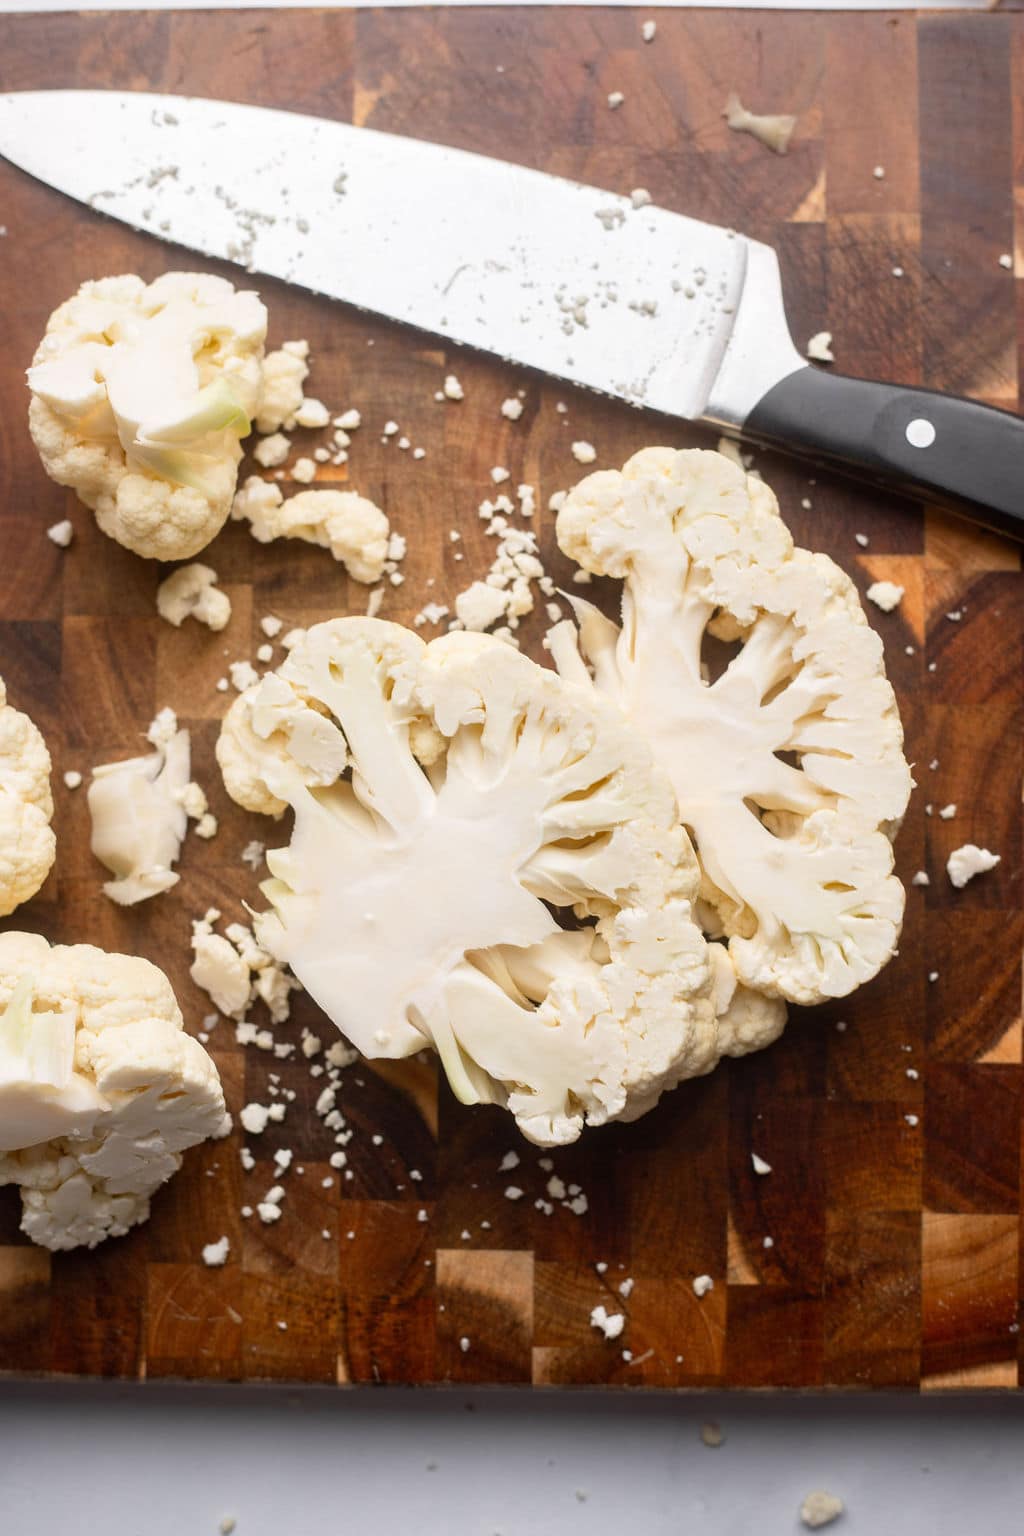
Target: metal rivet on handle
920 433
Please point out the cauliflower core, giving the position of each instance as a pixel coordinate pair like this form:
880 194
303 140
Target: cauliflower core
27 843
100 1088
140 396
353 529
787 754
448 799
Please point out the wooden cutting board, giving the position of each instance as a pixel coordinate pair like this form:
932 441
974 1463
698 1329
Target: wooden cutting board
893 1207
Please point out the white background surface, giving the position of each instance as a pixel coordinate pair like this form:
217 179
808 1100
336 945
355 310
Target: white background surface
130 1461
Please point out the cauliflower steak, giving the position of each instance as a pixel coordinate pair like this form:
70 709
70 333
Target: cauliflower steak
788 765
449 800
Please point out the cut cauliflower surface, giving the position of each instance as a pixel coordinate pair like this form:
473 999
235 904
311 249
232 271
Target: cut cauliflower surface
787 755
354 530
101 1090
139 811
27 843
466 795
140 396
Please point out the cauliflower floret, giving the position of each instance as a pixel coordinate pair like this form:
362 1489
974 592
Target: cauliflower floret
139 812
788 761
140 395
192 592
535 798
284 374
352 528
27 843
101 1090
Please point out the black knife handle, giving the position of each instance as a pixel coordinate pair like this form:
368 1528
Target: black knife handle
938 448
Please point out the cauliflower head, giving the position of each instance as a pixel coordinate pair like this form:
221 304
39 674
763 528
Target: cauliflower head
449 800
140 396
101 1090
27 843
353 529
749 666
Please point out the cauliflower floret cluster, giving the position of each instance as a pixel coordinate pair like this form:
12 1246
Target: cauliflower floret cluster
354 530
27 843
749 666
449 800
140 396
101 1090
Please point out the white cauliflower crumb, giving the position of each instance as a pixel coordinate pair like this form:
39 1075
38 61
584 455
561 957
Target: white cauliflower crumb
304 471
967 861
192 592
702 1285
819 349
480 606
452 389
61 533
774 130
885 595
348 421
271 626
243 675
948 812
312 414
921 878
759 1164
648 31
216 1254
72 779
271 451
820 1508
610 1324
615 100
252 854
584 452
512 408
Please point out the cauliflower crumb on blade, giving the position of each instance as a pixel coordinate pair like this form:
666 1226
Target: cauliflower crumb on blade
448 798
785 747
101 1089
27 843
140 396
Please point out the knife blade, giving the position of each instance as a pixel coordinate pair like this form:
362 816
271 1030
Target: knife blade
589 286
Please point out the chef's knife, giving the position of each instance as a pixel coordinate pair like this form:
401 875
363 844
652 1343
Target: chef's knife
594 288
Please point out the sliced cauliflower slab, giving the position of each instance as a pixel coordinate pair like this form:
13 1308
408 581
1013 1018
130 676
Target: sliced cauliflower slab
139 813
449 799
27 843
101 1090
785 749
354 530
140 396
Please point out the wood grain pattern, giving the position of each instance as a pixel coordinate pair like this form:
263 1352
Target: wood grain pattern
884 1248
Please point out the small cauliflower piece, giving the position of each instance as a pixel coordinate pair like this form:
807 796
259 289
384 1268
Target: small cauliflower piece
788 764
284 373
140 396
27 843
101 1090
820 1508
885 595
139 816
192 592
772 129
219 970
351 527
970 860
472 793
272 451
